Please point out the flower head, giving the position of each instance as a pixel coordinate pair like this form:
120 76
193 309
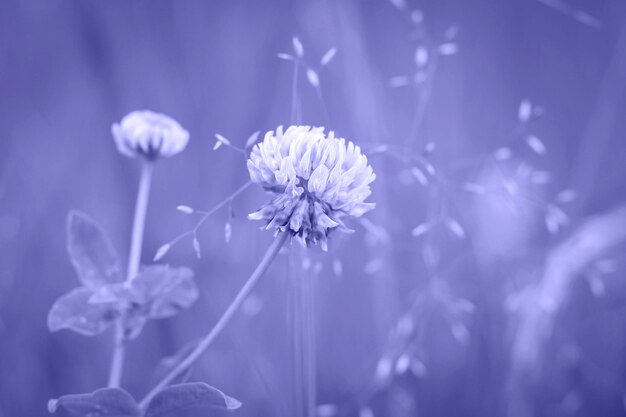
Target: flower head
149 134
315 180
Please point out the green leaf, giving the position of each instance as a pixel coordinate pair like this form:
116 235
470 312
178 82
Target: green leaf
176 398
105 402
157 292
163 291
91 252
73 311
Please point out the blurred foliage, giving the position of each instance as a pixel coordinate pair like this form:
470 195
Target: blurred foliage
466 319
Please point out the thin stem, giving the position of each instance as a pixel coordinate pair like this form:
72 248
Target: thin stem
320 97
207 214
294 93
302 314
424 94
140 220
308 313
236 148
119 353
141 206
269 256
297 355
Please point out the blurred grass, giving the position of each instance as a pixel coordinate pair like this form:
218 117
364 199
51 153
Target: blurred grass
68 70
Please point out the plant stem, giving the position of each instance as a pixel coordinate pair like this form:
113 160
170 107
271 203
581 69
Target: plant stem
119 352
269 256
134 258
303 333
424 95
294 93
209 213
141 207
320 97
227 200
310 358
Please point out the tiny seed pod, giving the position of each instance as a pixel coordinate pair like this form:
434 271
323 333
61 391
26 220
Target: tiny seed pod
252 139
503 154
196 246
419 176
222 139
421 56
449 48
403 364
297 46
313 78
161 252
536 144
328 56
420 229
185 209
455 228
525 110
228 232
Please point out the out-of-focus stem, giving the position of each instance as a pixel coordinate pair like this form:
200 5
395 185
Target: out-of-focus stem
320 97
294 93
303 334
538 312
269 256
423 98
134 258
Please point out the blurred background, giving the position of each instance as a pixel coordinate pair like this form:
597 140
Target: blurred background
487 282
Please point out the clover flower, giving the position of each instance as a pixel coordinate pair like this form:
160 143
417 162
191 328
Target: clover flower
149 134
315 180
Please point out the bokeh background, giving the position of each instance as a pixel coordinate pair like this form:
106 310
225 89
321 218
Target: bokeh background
500 316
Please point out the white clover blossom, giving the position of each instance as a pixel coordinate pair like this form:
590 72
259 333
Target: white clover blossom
315 180
149 134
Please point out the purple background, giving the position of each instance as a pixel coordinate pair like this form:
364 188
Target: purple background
70 69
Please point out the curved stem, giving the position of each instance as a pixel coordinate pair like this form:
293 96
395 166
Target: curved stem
134 258
269 256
